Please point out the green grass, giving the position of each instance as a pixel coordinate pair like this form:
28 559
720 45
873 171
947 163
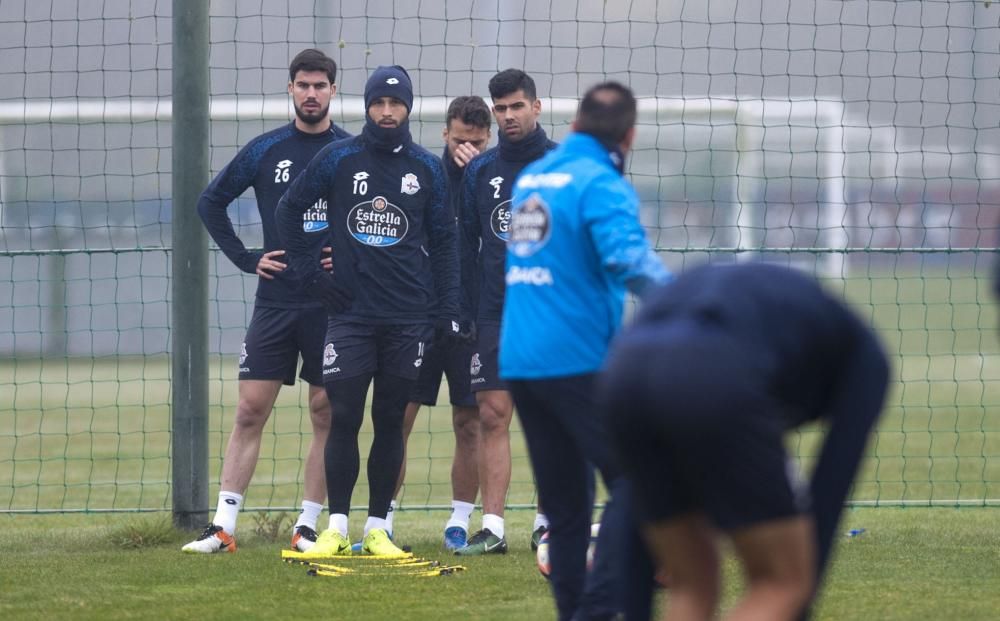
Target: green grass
939 440
94 434
911 564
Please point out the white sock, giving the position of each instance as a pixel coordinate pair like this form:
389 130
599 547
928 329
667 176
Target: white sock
494 523
227 510
373 523
338 522
389 517
461 512
309 515
540 520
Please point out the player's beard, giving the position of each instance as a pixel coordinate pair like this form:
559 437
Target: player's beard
312 118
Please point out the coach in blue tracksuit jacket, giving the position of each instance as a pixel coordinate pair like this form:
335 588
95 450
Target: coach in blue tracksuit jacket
395 258
575 246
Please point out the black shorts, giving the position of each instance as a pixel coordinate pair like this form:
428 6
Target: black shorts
354 348
451 359
484 368
699 435
276 338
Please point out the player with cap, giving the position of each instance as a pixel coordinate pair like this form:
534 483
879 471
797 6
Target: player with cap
395 258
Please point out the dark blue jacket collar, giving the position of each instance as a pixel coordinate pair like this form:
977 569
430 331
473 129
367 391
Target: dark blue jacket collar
391 139
528 149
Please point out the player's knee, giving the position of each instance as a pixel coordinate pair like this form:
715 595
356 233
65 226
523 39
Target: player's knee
319 402
320 420
699 574
346 420
387 420
392 425
466 425
787 593
319 412
345 425
788 599
493 417
251 415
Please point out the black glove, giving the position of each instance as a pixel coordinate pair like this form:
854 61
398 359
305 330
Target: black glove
447 328
467 332
334 296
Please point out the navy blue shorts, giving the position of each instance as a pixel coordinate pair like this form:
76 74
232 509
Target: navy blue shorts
276 338
484 368
354 348
701 433
451 360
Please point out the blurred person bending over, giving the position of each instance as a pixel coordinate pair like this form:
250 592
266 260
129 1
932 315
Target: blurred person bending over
699 393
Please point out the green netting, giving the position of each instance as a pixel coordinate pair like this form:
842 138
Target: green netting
855 140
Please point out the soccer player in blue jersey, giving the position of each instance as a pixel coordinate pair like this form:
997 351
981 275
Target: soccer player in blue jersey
286 323
395 262
699 392
466 134
484 217
575 245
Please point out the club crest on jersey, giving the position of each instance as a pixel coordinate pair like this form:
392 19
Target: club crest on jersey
476 365
377 223
410 185
500 220
530 226
329 355
314 218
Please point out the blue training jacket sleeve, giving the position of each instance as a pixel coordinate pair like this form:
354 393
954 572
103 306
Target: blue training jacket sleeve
231 181
442 237
301 251
611 213
468 222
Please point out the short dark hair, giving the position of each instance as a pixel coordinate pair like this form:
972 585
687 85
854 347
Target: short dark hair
607 112
471 110
510 81
313 60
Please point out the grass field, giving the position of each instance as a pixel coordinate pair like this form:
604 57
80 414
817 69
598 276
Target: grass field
910 564
86 434
93 435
